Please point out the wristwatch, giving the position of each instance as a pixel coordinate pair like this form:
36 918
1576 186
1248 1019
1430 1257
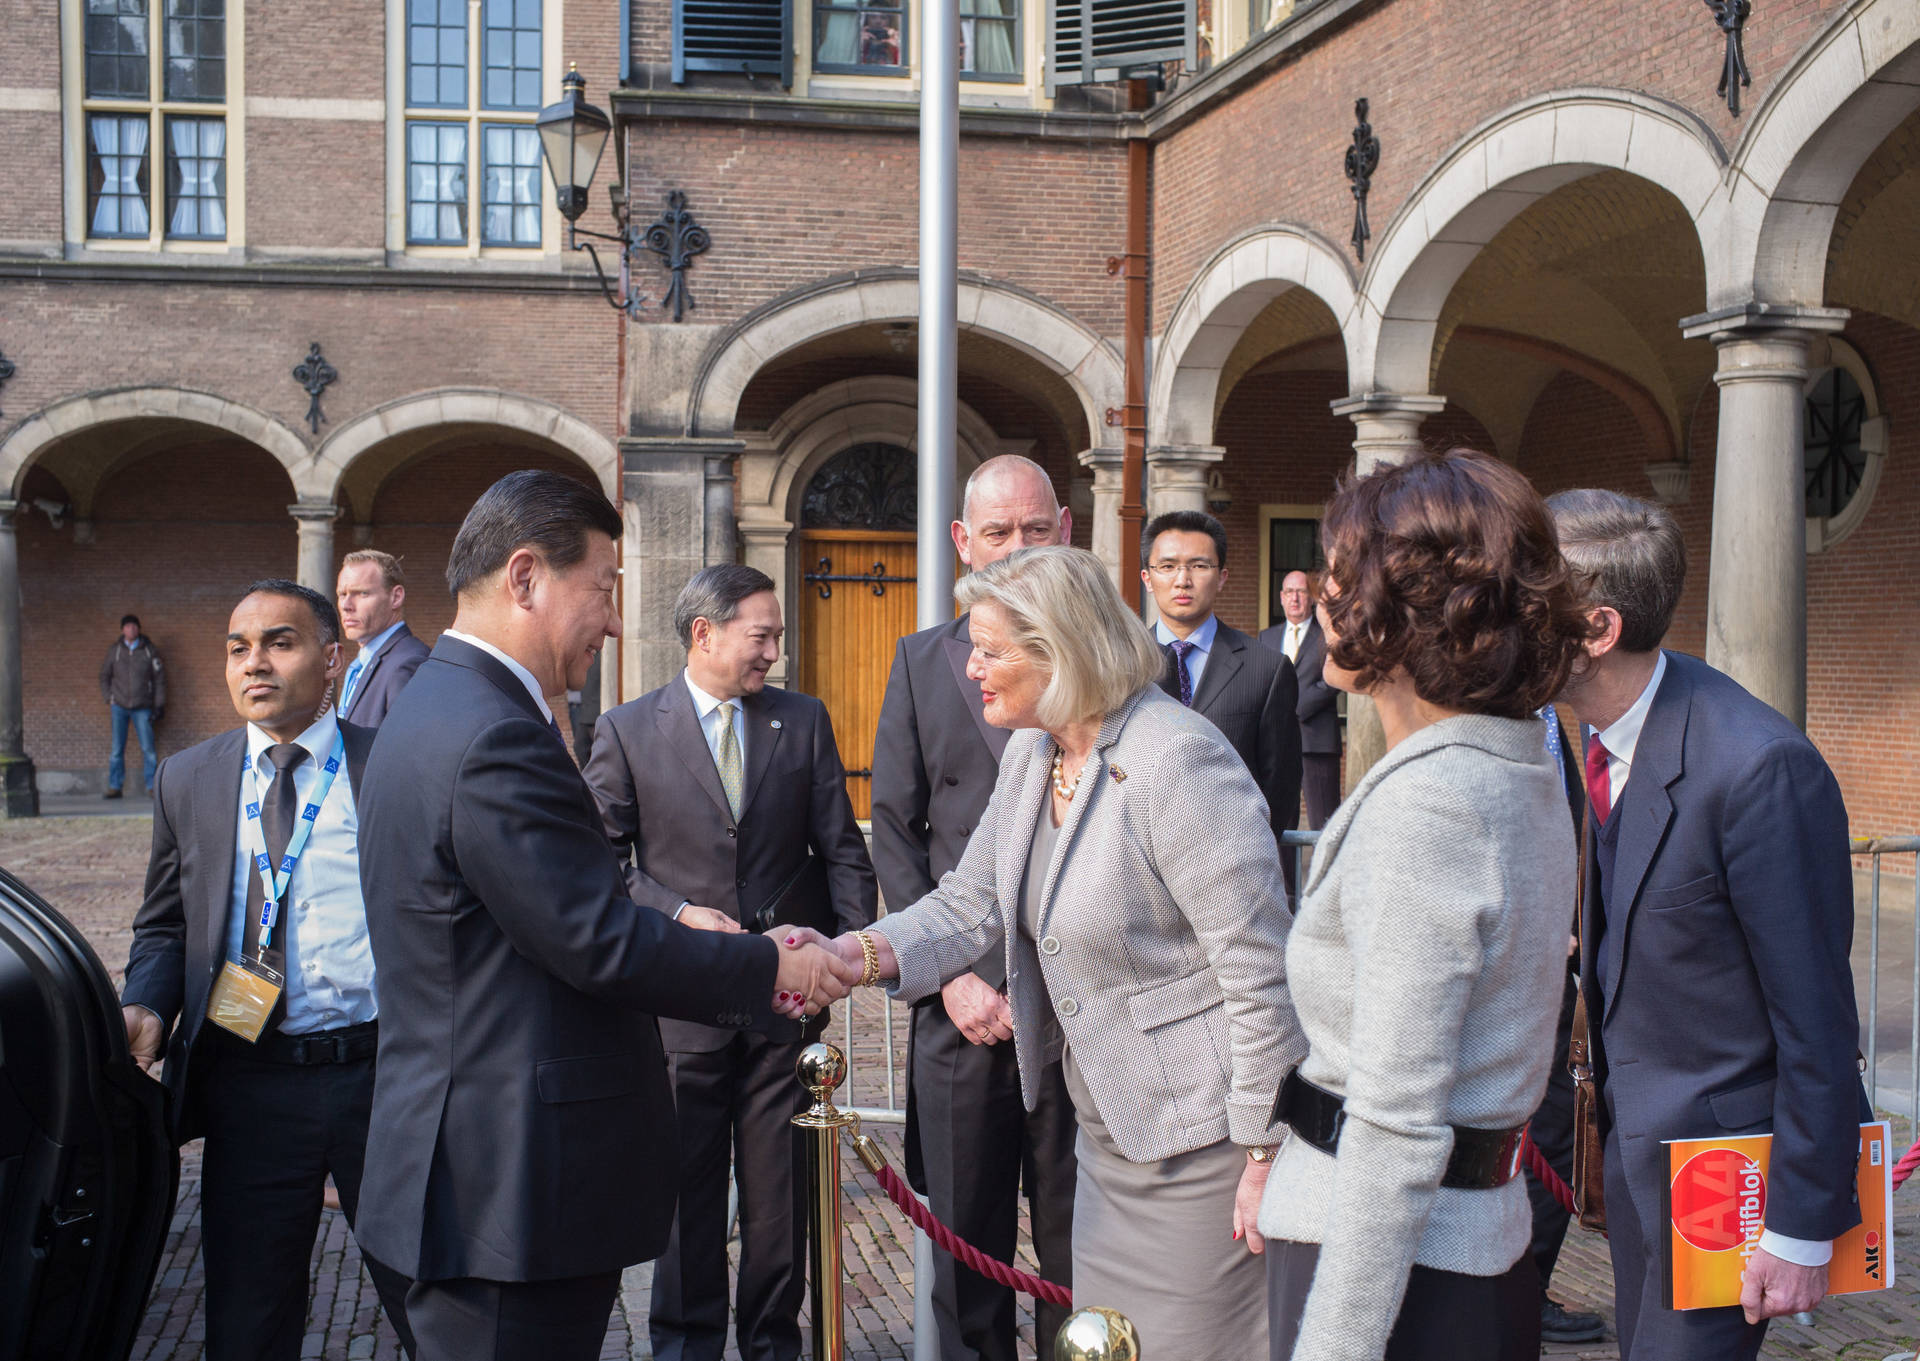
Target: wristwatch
1260 1154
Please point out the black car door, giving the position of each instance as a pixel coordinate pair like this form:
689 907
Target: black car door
88 1169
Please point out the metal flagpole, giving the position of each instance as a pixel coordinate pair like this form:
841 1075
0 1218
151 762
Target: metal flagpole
939 302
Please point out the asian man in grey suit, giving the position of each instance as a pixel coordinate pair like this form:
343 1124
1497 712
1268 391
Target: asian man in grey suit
523 1148
1246 690
731 800
970 1141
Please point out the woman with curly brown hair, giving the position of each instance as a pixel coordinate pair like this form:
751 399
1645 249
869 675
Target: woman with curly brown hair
1427 957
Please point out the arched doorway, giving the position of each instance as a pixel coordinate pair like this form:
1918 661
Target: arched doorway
856 596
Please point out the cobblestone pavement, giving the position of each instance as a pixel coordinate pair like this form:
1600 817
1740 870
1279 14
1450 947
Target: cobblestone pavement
91 869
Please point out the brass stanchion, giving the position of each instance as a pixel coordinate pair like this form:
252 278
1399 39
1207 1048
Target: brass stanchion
822 1068
1096 1335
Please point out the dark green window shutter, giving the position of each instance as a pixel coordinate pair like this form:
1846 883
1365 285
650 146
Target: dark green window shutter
733 35
1096 40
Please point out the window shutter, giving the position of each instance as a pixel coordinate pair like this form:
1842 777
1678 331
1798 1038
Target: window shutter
1095 40
733 35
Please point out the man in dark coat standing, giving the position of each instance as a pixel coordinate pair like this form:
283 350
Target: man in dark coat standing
731 799
287 1105
971 1142
1301 642
371 592
523 1147
1718 919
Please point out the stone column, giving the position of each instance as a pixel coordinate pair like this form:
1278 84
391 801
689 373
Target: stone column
664 501
764 543
314 520
1757 572
1386 432
1105 465
19 796
719 529
1177 476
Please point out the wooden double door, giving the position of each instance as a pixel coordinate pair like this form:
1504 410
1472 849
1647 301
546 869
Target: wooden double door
856 600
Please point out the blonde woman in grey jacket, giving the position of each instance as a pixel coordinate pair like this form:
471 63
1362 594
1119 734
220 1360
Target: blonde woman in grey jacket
1428 957
1126 870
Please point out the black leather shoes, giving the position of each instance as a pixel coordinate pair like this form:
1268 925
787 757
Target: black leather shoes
1558 1324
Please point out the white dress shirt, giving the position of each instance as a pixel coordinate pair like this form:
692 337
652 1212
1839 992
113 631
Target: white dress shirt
708 708
1202 640
323 922
1621 738
1295 635
525 676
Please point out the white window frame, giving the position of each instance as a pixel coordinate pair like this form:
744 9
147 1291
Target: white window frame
1025 92
76 105
473 117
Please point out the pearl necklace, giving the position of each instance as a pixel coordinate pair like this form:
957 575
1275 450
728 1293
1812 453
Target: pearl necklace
1060 785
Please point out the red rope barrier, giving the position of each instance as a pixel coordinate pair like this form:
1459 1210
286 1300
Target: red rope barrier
1544 1174
1904 1168
963 1252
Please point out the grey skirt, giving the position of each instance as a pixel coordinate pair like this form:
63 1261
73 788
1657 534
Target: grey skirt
1155 1241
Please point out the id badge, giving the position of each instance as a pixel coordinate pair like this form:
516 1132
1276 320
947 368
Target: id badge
243 998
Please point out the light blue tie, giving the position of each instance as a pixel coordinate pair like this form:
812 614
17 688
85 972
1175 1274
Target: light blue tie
353 679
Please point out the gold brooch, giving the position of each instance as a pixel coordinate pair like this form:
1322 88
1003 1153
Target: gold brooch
1118 774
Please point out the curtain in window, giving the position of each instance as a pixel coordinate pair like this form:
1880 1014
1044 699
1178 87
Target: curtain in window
839 39
992 49
198 156
120 151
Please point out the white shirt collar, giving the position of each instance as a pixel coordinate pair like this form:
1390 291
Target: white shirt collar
319 739
1622 736
371 648
525 676
1202 637
704 703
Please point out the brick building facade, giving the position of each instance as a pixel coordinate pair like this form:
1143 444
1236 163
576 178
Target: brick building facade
1581 259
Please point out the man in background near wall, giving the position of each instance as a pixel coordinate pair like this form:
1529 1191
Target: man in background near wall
133 685
1302 643
371 592
970 1140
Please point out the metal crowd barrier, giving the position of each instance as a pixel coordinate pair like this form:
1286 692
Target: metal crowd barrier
1878 848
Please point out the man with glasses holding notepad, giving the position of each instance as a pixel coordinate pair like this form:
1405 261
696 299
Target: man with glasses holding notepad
253 936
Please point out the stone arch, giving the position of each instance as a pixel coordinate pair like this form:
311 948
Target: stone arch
472 407
1843 94
39 432
1088 362
1242 279
1498 170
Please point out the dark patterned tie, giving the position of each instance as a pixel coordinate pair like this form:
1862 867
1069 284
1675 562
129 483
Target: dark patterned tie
279 814
1178 650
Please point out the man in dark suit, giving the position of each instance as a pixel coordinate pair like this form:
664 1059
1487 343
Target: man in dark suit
732 802
372 591
1247 691
970 1140
1718 886
523 1148
1302 643
285 1102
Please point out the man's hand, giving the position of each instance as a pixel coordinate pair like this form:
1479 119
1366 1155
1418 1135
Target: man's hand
145 1036
708 919
977 1007
1771 1288
811 977
1246 1205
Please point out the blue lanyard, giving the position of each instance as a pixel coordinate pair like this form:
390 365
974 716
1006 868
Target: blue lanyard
1555 746
257 843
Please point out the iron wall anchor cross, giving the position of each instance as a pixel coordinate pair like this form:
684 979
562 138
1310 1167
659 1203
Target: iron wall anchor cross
7 370
1731 15
314 374
676 238
1363 158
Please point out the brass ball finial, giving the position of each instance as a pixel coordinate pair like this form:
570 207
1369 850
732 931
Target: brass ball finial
822 1069
1096 1334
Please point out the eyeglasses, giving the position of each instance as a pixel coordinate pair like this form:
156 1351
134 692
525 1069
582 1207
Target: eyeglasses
1199 568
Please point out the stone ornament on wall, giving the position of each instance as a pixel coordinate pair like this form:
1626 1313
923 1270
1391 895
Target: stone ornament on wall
676 238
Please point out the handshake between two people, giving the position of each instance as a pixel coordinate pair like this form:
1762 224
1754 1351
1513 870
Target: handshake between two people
815 971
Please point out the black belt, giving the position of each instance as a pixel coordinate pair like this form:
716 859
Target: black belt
344 1045
1482 1158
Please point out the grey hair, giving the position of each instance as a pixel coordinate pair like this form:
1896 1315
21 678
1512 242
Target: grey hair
1627 555
1066 614
999 466
714 594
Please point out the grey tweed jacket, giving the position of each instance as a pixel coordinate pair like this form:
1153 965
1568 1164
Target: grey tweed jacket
1427 965
1163 927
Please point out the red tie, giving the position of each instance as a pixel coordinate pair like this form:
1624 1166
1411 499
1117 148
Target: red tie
1599 784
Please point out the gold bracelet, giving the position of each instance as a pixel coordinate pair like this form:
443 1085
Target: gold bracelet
870 959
